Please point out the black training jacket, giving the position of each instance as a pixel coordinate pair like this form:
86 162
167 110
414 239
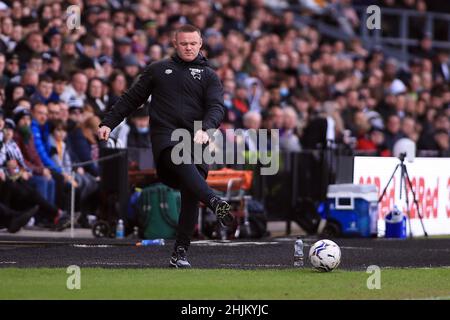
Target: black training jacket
181 93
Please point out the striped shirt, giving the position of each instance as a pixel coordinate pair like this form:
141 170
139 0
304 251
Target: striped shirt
12 151
2 155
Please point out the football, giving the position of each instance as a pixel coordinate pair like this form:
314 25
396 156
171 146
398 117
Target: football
325 255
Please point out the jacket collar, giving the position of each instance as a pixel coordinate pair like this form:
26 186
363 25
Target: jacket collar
199 60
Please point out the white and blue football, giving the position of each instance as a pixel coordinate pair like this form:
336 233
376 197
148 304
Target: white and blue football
325 255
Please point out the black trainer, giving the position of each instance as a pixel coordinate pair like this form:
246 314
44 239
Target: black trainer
179 258
222 209
64 220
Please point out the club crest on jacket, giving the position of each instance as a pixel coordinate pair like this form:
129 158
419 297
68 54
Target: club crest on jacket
196 73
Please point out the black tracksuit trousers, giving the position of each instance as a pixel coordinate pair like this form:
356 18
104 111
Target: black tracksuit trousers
193 188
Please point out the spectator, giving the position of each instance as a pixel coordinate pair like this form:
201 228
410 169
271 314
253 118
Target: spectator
439 122
77 88
40 127
3 78
54 111
276 116
239 105
139 135
29 80
63 111
59 85
41 176
409 128
32 44
442 67
393 131
85 184
139 144
425 49
252 122
118 85
131 68
96 97
289 139
6 42
442 140
69 56
58 151
373 143
12 155
89 128
43 93
79 147
12 67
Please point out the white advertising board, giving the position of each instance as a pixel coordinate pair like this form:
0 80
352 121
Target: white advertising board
430 179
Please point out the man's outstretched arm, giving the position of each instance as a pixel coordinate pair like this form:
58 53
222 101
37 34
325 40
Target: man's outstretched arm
132 99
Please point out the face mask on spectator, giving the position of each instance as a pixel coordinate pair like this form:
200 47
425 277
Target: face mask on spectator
228 103
25 132
143 130
29 89
284 92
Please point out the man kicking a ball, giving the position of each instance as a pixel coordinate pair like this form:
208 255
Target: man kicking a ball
183 89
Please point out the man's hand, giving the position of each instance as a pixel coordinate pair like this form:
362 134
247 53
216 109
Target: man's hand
69 179
201 137
47 174
103 133
25 175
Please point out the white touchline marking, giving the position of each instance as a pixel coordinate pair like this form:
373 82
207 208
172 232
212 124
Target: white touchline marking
92 246
8 262
230 243
114 263
252 265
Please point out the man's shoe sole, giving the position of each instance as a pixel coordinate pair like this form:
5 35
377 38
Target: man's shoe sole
68 222
223 214
174 265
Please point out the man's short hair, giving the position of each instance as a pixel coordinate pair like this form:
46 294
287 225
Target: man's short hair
45 78
187 28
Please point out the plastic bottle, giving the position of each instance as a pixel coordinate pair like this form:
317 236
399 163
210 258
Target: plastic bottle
120 230
153 242
298 253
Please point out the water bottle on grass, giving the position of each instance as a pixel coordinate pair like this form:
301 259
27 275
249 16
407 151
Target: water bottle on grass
120 230
298 253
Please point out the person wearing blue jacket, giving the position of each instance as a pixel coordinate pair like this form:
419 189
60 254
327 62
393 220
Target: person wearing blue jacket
80 149
40 128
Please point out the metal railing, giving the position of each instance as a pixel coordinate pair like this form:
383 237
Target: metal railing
405 19
398 43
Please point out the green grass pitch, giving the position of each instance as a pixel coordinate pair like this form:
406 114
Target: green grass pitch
199 284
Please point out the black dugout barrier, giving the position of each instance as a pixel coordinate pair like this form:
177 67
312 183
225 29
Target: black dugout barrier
114 190
300 185
292 194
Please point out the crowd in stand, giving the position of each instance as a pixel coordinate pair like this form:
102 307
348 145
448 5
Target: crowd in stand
57 81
